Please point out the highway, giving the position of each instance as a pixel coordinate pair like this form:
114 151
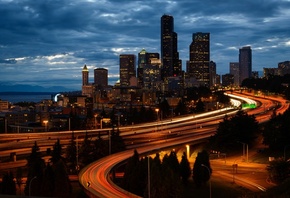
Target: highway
150 137
98 173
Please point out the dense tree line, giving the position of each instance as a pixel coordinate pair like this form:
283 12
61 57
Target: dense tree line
276 131
50 179
241 128
273 83
167 177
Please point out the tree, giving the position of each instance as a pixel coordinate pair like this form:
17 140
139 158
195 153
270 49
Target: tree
8 184
185 170
278 170
71 154
47 188
85 151
35 167
56 152
164 108
276 132
181 108
132 180
240 128
200 173
199 106
117 143
62 185
100 148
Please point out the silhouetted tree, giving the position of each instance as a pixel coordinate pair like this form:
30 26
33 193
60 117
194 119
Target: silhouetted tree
200 107
185 170
35 167
240 128
47 188
8 184
71 154
276 131
56 152
278 170
201 169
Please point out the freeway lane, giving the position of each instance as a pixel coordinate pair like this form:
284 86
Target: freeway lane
98 173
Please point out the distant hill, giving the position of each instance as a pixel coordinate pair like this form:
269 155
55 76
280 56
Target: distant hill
29 88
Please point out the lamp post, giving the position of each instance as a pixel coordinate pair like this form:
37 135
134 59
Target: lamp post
209 179
187 151
157 110
109 134
30 184
245 151
45 124
149 192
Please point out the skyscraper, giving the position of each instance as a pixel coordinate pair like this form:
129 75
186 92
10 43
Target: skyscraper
101 77
212 73
234 70
85 74
199 57
171 64
127 69
144 59
87 88
245 63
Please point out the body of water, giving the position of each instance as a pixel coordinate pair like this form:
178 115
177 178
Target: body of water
15 97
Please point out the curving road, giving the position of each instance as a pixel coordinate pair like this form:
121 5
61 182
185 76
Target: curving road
97 174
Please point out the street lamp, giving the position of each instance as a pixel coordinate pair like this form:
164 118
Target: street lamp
187 151
45 124
109 134
30 184
209 179
245 150
157 110
149 192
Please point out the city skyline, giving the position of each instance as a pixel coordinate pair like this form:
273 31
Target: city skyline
47 44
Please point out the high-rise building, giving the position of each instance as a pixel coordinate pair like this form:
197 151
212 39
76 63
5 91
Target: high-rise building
151 75
87 88
212 73
144 58
234 70
199 57
284 68
127 69
227 80
101 77
245 63
171 64
85 74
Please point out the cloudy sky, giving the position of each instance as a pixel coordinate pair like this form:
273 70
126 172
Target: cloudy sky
47 42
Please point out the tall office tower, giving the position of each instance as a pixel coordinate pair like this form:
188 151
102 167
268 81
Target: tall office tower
87 88
234 70
284 68
85 73
227 80
199 56
144 58
245 61
101 77
151 74
127 69
171 64
141 63
212 73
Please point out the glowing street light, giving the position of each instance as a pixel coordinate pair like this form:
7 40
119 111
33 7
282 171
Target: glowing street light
187 150
45 124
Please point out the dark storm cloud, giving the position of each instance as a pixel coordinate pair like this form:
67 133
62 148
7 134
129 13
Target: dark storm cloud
54 39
